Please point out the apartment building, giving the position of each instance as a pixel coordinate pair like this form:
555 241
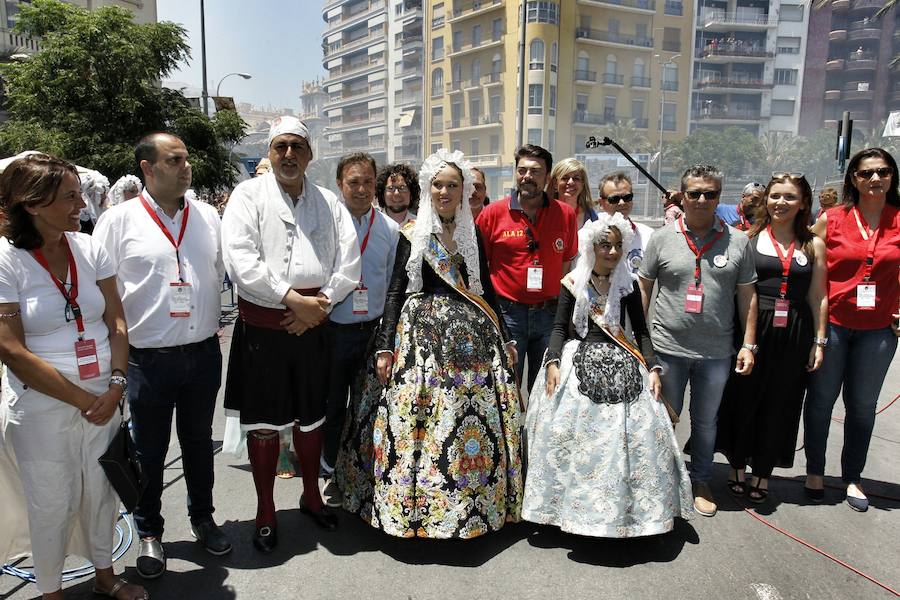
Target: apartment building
373 59
589 64
749 64
848 66
312 112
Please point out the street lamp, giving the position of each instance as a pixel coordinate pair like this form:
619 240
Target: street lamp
662 104
242 75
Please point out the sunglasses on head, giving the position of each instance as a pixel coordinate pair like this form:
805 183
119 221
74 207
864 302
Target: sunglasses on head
709 195
782 174
869 173
620 198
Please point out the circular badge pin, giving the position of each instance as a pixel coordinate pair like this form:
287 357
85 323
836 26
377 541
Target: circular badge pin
801 259
720 260
635 261
558 244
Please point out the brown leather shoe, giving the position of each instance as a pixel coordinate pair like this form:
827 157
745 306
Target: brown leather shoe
703 500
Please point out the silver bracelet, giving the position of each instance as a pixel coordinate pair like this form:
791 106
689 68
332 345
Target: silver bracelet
11 315
120 381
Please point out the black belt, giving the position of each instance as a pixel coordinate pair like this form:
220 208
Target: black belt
360 326
536 306
183 349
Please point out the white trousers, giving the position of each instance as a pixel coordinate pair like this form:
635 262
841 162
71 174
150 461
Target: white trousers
70 504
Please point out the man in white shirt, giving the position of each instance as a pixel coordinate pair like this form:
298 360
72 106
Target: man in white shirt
353 320
616 196
167 256
291 250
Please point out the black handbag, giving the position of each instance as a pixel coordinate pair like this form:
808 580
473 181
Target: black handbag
122 467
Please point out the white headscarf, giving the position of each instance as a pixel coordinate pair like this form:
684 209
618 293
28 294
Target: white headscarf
93 186
287 124
122 184
621 280
428 222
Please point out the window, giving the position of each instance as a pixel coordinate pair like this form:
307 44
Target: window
611 64
437 48
554 56
581 103
640 31
637 108
456 112
456 72
552 110
791 12
674 8
496 63
670 77
782 108
454 145
437 15
584 62
614 25
639 68
496 29
436 147
457 41
475 148
437 82
785 76
669 112
437 119
495 144
494 105
609 107
535 99
476 72
788 45
543 12
475 109
476 35
536 53
534 137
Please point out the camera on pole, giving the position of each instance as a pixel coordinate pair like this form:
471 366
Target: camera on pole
844 136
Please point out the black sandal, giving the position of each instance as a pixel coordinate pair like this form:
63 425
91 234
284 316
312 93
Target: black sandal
761 495
736 488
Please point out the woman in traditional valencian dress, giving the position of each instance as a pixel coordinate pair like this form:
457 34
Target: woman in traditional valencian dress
436 453
602 456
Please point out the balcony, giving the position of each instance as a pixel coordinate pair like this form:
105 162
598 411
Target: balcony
492 78
640 82
452 87
861 61
674 9
832 95
731 84
465 123
613 79
410 11
347 71
895 93
863 30
474 46
336 49
724 53
837 35
339 148
408 152
409 42
582 117
485 160
404 71
464 10
582 76
635 6
670 86
348 19
717 20
406 98
866 5
354 123
348 96
835 64
840 6
612 38
857 94
724 115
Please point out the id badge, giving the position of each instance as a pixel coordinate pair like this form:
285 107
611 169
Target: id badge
535 279
361 301
693 301
86 357
781 312
865 296
180 299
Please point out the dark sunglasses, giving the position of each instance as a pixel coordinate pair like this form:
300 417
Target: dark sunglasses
622 198
710 195
532 243
868 173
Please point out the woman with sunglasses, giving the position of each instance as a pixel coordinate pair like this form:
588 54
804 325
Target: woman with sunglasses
65 344
760 412
569 184
602 456
863 240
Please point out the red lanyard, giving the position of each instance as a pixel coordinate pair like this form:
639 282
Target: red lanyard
362 247
699 253
785 260
165 230
871 236
71 295
744 225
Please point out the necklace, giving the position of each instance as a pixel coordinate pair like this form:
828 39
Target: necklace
447 220
599 276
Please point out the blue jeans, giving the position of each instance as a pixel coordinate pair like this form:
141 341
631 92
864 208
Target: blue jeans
530 327
858 359
184 381
708 378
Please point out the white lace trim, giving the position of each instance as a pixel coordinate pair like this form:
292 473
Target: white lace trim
621 281
117 191
428 222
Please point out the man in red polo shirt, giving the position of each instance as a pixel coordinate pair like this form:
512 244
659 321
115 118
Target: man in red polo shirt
530 242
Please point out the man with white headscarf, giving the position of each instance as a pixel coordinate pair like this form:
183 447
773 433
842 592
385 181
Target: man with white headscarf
291 250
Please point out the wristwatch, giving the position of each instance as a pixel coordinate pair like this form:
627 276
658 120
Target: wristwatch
120 381
751 347
820 341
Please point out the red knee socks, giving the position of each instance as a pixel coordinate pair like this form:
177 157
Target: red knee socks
308 445
263 451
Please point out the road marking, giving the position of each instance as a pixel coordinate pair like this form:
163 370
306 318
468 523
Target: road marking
765 591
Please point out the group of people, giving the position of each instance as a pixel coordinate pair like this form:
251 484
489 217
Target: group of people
387 330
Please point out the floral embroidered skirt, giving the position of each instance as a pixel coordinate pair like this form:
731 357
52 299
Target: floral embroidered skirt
602 456
437 453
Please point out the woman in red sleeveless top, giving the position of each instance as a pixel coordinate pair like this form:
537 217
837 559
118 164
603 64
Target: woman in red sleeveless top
862 237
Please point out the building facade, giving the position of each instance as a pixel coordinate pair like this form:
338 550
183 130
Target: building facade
373 60
848 64
588 64
748 66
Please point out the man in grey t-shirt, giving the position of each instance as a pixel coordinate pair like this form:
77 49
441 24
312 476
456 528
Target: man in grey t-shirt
698 264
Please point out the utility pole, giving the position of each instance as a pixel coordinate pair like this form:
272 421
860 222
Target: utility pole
203 57
523 91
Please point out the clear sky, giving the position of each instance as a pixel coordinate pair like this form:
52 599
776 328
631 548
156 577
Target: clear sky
278 42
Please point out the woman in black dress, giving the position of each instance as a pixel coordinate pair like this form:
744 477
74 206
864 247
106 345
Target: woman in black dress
760 413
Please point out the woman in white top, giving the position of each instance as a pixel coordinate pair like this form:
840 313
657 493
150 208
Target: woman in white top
64 341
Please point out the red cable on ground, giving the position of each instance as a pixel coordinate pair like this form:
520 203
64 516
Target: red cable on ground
822 552
877 412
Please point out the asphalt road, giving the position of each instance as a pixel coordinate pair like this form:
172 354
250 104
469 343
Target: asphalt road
730 556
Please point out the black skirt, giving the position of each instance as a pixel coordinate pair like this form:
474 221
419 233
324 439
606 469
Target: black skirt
276 378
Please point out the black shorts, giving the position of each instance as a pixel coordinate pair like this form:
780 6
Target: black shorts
276 378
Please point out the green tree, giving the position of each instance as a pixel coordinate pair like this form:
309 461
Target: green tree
736 151
627 135
93 90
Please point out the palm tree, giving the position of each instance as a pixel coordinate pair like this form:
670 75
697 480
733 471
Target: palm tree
627 135
778 147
